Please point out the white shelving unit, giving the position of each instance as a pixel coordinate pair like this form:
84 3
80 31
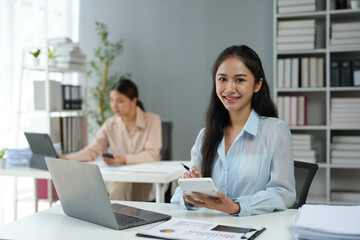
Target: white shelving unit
330 177
46 72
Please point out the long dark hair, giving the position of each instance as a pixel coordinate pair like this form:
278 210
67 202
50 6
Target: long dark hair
217 116
128 88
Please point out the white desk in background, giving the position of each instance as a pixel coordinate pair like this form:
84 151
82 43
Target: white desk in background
159 173
54 224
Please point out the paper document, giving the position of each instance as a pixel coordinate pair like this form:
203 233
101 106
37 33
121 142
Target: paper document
154 167
195 230
327 222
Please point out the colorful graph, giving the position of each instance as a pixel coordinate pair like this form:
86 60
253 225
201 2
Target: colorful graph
167 230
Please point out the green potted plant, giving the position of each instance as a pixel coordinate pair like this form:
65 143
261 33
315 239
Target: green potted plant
2 158
52 56
36 56
104 55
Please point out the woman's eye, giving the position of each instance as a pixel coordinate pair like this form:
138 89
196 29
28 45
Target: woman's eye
239 80
222 79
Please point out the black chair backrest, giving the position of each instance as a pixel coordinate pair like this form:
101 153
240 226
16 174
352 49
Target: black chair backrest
304 174
166 129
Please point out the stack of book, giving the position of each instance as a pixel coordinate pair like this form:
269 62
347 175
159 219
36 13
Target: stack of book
68 54
296 34
69 131
345 112
292 109
300 72
63 97
294 6
345 149
345 33
303 149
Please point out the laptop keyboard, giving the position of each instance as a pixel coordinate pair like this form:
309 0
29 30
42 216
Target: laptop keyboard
123 219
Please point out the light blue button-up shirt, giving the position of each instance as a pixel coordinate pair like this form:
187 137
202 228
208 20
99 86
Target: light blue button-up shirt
258 169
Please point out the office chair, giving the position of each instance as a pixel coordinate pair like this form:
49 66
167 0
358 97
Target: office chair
304 174
166 130
166 151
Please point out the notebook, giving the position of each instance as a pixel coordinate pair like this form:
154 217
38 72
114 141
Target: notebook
41 147
83 195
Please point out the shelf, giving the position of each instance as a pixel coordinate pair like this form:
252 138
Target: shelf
344 49
300 89
345 12
53 69
302 15
68 113
344 89
322 165
309 127
345 128
345 166
302 51
63 113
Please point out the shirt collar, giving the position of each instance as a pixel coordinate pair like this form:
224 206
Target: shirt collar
140 121
140 118
251 125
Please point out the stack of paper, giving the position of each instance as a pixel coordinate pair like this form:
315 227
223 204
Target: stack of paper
327 222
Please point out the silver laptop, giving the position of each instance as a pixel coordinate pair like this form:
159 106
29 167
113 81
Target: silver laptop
83 195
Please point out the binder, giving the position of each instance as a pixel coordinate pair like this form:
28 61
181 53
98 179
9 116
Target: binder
66 93
345 73
78 101
334 74
356 72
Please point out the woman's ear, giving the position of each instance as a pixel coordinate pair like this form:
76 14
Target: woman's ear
134 101
258 85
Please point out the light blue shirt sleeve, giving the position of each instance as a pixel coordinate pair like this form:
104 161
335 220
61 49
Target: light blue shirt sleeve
196 159
258 169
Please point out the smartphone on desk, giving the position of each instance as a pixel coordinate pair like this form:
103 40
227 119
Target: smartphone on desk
107 155
201 185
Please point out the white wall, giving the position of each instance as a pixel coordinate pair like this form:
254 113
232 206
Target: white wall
170 46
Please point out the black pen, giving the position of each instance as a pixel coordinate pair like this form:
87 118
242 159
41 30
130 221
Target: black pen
186 167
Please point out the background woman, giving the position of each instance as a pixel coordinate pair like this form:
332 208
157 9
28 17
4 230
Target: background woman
244 147
133 135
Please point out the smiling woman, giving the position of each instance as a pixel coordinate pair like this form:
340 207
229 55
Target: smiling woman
244 147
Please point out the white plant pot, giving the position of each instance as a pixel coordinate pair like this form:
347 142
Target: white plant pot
2 163
36 61
52 62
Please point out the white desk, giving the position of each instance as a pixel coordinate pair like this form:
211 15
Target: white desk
158 178
53 224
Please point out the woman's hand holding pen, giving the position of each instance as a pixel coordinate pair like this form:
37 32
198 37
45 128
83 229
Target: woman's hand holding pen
117 160
193 173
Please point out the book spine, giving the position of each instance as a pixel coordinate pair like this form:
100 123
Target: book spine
356 72
334 74
345 73
304 72
287 73
295 72
280 71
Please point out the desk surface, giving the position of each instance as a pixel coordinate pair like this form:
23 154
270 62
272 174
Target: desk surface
53 224
109 174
